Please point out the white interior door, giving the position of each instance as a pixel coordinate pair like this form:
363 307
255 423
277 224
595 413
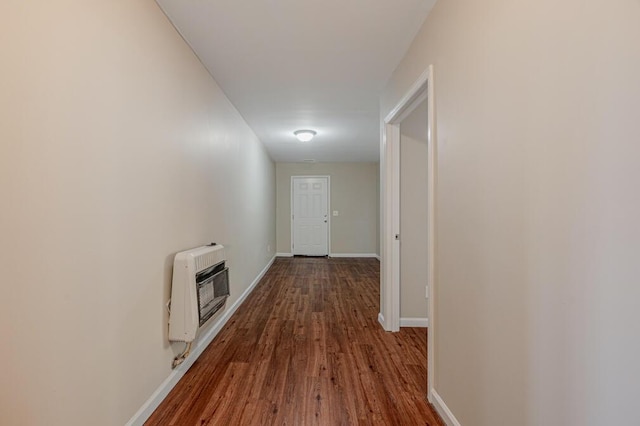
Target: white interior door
310 216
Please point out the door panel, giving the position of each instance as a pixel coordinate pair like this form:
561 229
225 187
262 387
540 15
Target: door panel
310 216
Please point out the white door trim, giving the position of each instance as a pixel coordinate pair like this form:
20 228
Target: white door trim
328 208
390 159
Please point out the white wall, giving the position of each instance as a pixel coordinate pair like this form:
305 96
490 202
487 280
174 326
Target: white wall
537 207
413 213
117 150
354 194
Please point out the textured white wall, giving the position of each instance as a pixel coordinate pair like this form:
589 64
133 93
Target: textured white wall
537 107
117 150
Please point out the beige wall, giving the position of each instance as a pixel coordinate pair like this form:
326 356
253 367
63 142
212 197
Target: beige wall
538 235
354 193
413 213
117 150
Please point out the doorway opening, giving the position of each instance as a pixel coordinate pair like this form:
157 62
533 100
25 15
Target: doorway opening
413 199
420 93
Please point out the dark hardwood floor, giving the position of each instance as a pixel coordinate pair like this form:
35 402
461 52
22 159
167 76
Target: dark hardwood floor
305 348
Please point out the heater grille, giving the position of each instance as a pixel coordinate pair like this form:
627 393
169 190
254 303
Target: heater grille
213 290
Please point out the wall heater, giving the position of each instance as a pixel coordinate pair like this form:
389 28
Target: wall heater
199 288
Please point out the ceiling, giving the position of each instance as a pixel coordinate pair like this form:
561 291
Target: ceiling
303 64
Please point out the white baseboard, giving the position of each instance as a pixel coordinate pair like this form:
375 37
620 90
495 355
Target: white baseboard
414 322
381 319
353 255
443 410
174 377
284 254
378 257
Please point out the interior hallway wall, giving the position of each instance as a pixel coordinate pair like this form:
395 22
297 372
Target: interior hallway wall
354 194
118 150
413 214
537 207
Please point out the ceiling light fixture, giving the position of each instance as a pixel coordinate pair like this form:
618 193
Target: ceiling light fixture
304 135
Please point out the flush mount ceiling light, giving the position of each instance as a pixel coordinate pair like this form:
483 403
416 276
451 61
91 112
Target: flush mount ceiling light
304 135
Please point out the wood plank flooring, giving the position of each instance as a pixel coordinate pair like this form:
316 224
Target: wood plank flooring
305 348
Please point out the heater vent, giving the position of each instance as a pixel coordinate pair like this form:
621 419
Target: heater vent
205 260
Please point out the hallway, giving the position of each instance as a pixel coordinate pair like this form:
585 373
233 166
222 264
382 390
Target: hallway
305 348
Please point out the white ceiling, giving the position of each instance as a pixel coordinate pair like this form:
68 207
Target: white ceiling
303 64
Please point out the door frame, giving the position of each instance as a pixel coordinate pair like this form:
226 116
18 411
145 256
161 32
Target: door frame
390 200
291 206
